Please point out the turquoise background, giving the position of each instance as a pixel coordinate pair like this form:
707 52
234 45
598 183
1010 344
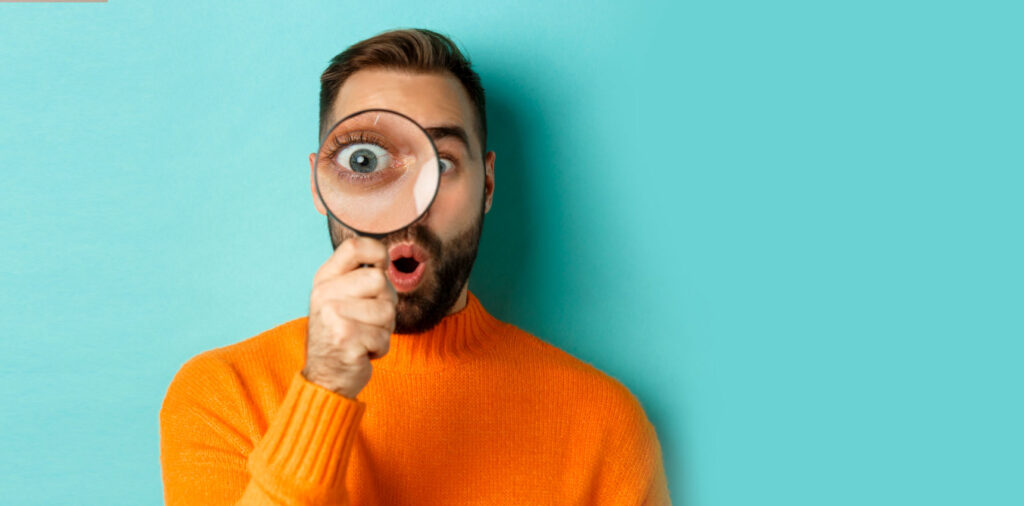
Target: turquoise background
792 229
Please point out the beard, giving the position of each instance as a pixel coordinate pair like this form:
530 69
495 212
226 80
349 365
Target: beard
447 271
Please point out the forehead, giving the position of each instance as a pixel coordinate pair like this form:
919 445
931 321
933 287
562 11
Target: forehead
432 99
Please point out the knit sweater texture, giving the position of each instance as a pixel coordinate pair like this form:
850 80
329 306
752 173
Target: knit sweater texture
472 412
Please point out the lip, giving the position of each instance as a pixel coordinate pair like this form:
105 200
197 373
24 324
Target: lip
407 281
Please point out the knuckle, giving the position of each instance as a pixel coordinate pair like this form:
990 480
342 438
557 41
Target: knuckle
383 345
353 354
348 247
343 329
379 250
377 280
328 313
321 274
316 294
387 311
384 340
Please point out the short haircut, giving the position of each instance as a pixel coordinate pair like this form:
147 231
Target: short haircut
414 49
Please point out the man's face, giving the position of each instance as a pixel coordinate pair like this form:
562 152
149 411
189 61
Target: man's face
446 237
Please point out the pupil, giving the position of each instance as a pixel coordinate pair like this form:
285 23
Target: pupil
363 161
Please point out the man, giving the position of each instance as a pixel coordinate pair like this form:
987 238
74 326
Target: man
461 408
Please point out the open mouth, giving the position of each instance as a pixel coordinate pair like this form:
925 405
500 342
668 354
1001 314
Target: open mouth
408 263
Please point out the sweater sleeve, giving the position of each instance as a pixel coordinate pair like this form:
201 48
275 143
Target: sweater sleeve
635 468
209 456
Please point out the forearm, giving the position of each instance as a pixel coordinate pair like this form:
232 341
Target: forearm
304 454
209 457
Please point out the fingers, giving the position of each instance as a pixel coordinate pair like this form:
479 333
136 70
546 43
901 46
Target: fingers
377 342
351 316
376 312
348 339
360 283
352 253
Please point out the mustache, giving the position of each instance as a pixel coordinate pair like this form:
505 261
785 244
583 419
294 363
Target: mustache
419 234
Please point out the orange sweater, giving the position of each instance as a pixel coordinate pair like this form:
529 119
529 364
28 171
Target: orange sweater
474 411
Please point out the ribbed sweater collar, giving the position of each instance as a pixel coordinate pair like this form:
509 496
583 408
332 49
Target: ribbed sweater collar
459 336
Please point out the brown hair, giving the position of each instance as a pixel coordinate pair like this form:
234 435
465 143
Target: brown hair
415 49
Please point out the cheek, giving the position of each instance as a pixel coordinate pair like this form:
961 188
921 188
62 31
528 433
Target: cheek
456 206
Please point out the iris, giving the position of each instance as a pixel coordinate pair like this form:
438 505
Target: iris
363 160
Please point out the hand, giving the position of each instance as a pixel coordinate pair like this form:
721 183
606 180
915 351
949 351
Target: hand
351 316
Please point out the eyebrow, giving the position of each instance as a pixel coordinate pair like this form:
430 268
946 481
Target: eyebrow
442 131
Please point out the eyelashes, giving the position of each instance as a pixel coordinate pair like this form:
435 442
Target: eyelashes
448 161
337 143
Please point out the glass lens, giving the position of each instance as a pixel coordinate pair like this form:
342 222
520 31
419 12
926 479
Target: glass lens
377 171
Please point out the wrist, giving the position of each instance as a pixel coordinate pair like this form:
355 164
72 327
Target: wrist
334 386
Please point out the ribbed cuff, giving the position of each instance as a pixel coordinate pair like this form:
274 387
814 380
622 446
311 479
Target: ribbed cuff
305 451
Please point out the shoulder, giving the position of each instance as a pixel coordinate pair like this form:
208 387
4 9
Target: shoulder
271 354
564 372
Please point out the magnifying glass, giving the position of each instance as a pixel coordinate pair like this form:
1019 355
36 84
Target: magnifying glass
377 171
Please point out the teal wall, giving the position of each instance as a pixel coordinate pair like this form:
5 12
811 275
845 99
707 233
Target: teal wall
792 229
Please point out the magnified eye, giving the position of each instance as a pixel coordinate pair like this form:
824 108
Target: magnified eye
364 158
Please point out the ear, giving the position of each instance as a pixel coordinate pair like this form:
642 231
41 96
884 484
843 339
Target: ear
488 179
312 185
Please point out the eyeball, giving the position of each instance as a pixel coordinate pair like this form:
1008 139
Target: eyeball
446 165
364 158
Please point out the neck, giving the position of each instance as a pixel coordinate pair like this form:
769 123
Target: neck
468 330
460 303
